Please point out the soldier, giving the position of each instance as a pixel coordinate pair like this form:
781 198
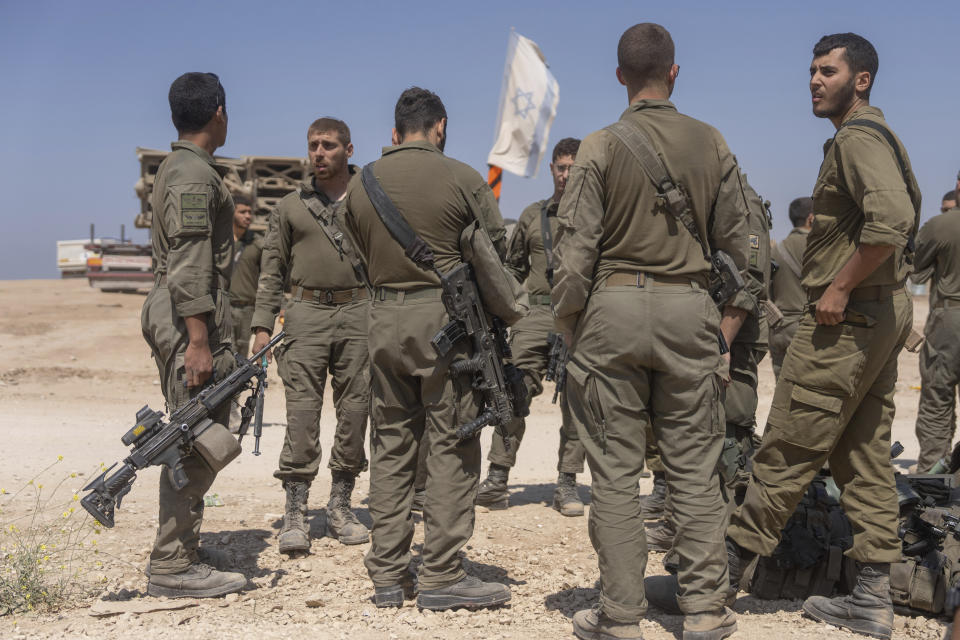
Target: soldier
785 290
413 396
834 399
631 298
938 249
530 258
248 247
326 329
186 322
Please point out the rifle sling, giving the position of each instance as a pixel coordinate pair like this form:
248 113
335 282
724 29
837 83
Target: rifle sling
790 261
547 239
414 247
333 233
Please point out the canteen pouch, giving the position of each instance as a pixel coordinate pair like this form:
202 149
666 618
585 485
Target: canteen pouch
502 295
215 444
920 584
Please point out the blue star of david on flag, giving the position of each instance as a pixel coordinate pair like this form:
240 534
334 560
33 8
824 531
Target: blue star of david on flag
523 103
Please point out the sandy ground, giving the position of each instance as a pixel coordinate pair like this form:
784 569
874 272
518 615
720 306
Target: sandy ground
75 370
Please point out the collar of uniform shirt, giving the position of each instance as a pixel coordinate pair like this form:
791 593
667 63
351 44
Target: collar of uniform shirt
423 145
649 103
865 110
189 146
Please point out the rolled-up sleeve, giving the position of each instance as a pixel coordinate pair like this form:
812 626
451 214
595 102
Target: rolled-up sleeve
188 211
729 229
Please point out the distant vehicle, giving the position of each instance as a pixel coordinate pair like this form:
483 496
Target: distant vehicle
72 256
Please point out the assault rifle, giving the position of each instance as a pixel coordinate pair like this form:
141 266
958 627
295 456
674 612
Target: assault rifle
156 442
926 528
557 363
504 395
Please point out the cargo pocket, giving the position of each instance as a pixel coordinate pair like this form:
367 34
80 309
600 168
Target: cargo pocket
718 422
278 355
810 421
830 358
595 422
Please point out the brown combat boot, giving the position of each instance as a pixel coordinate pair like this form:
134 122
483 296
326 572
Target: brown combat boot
493 493
710 625
660 536
342 523
593 624
867 610
294 536
470 593
196 581
565 497
652 505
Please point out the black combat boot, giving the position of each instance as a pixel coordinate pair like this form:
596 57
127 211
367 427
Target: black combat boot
652 507
342 523
867 610
493 492
738 559
294 536
565 497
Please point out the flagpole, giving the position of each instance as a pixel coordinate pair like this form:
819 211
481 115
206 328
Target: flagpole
495 180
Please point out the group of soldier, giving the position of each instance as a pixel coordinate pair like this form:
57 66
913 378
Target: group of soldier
617 261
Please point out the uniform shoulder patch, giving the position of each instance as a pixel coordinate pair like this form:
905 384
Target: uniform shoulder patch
193 210
754 241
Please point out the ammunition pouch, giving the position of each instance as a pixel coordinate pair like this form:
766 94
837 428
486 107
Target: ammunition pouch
215 444
921 583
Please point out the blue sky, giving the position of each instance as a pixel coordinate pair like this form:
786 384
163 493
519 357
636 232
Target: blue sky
86 83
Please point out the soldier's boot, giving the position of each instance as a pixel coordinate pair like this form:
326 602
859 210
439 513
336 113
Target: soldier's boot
395 594
342 523
738 559
493 492
662 591
660 536
711 625
565 497
593 624
294 536
652 506
470 593
867 610
196 581
419 497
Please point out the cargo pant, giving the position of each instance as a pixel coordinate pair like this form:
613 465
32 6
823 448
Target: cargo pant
780 337
833 403
323 337
528 341
241 316
648 357
181 512
415 400
939 375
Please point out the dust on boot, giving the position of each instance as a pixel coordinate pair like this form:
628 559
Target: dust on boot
294 536
653 504
867 610
342 523
565 497
493 492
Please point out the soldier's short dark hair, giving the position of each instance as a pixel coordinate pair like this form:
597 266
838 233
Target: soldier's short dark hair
322 125
194 99
800 209
857 51
566 147
645 54
949 195
242 198
417 110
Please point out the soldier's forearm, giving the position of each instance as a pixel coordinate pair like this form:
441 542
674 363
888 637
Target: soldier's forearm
730 323
197 329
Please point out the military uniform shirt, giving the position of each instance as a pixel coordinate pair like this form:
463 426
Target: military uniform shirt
860 198
526 257
938 246
192 234
246 269
617 223
438 196
786 291
297 247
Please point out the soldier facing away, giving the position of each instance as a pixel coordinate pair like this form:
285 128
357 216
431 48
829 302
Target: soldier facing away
631 297
786 290
530 258
834 399
326 330
938 251
415 401
186 320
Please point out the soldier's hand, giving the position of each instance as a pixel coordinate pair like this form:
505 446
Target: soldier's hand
197 363
831 307
260 340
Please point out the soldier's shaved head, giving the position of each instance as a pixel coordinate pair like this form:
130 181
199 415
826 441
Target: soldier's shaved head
645 55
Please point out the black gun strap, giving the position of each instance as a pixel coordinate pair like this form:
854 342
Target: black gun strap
414 247
333 232
642 150
547 239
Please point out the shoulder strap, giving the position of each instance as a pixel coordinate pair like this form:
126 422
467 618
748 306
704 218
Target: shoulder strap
334 234
414 247
547 239
642 150
790 261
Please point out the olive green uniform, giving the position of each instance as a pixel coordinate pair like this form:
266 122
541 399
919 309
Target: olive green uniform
938 246
631 287
413 397
834 400
787 293
527 260
243 288
192 239
326 330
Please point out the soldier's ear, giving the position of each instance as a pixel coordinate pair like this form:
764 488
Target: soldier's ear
349 149
395 138
620 77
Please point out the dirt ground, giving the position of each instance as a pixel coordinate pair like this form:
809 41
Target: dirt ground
75 370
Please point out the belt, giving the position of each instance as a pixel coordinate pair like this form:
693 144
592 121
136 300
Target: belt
330 296
640 279
949 304
422 293
237 303
861 294
160 280
540 298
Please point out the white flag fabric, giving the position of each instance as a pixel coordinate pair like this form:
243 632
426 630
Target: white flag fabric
528 105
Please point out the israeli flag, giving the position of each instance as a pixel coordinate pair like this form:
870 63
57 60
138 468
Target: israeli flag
528 105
